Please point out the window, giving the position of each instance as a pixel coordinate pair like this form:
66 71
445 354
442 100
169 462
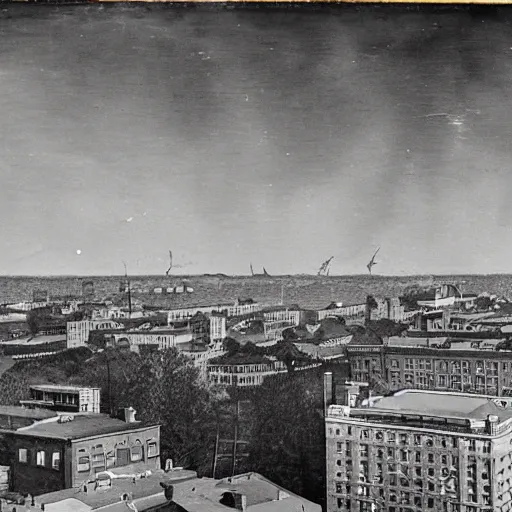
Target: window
137 452
40 456
339 447
23 455
56 461
98 456
153 449
83 460
111 459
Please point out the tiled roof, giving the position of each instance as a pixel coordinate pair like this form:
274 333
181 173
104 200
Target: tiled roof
82 425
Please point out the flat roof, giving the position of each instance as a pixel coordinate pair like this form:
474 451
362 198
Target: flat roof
60 389
35 340
443 404
23 412
82 425
142 488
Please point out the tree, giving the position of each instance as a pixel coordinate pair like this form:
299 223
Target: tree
384 328
288 439
289 354
167 390
231 346
33 322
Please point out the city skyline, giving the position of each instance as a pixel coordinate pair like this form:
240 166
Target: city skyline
271 138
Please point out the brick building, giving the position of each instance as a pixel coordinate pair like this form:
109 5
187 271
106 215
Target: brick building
67 451
420 451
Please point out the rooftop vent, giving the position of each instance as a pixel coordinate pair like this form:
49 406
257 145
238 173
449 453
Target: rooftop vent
127 414
65 418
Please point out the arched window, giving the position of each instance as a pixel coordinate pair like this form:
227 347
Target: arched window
137 451
83 460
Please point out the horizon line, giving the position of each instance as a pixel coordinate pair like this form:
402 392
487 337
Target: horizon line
258 276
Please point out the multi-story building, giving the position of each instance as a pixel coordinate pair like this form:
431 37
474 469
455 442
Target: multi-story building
240 373
163 338
349 311
472 371
422 451
390 309
69 450
63 398
217 328
229 310
77 334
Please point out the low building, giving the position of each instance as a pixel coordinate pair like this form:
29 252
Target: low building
250 492
229 310
243 370
420 451
68 451
13 417
64 398
163 338
33 346
176 490
77 334
349 312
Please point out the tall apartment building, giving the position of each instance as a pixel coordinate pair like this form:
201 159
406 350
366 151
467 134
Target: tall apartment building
420 450
472 371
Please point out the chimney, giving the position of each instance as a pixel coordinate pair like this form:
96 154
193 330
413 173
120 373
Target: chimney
492 423
168 490
328 391
127 414
240 502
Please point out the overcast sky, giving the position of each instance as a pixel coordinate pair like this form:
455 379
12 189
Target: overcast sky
232 137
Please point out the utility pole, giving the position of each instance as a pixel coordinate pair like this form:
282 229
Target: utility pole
109 384
129 291
216 449
235 442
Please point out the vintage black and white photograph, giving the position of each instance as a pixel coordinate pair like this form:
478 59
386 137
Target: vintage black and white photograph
255 257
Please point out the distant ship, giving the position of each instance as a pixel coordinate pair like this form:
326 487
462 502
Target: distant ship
265 273
325 267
